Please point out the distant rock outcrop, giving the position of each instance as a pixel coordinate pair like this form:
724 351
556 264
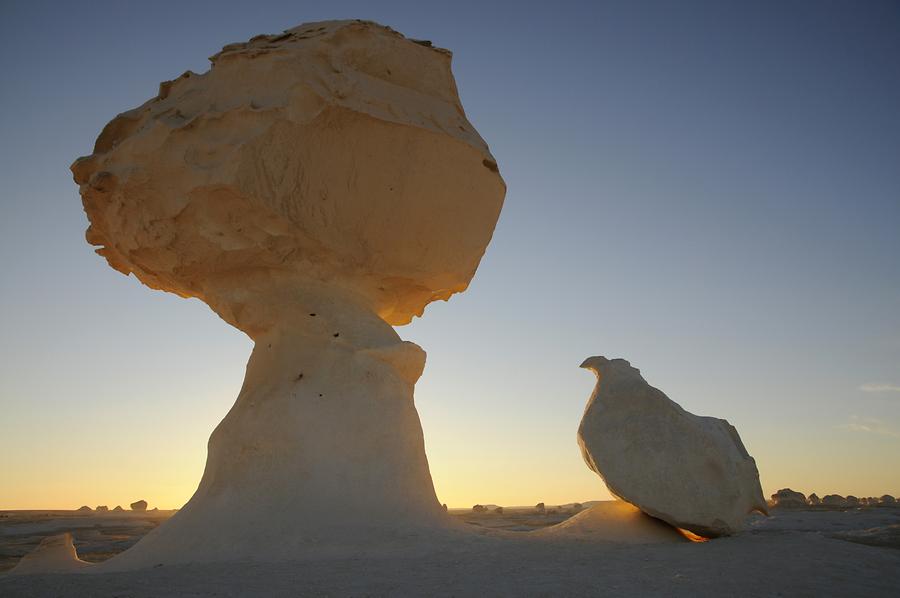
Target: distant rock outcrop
498 510
887 499
140 505
540 508
478 509
84 509
814 500
851 501
102 509
834 500
788 499
692 472
118 508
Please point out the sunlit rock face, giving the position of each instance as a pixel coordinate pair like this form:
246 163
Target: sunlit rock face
690 471
336 152
314 188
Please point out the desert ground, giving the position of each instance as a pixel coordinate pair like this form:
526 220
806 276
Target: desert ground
794 552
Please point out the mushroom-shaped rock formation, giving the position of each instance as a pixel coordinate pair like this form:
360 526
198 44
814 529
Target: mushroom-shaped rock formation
140 505
314 188
55 554
690 471
787 498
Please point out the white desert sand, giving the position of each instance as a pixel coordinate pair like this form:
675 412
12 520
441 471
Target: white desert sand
794 552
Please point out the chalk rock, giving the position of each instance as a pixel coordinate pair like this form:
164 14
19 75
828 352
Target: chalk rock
140 505
787 498
887 499
690 471
334 152
814 499
834 500
314 188
55 554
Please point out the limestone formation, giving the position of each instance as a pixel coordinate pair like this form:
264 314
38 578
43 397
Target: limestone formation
314 188
690 471
814 499
851 501
55 554
118 509
140 505
84 509
102 509
887 499
787 498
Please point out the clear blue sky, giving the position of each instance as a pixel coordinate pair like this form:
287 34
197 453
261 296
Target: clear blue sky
708 189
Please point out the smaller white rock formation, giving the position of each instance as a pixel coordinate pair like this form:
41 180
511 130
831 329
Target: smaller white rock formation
789 499
55 554
814 500
140 505
690 471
